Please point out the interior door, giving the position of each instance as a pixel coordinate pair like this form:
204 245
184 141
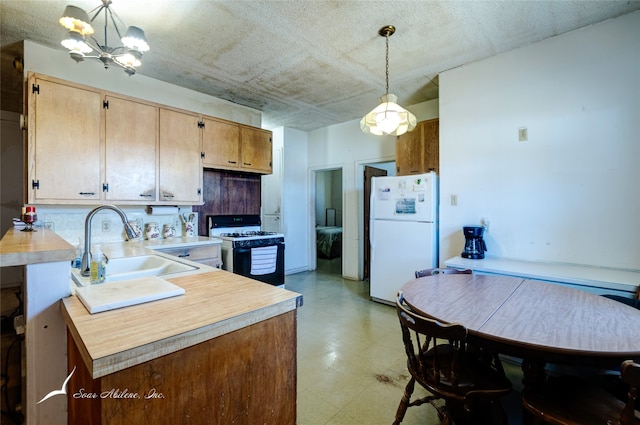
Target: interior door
368 173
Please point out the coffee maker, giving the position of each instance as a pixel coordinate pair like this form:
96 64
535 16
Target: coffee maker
474 246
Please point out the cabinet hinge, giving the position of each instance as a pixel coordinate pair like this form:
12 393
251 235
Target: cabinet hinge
200 124
202 155
105 104
105 187
35 184
35 89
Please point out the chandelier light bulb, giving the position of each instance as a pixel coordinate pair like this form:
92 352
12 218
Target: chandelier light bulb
76 42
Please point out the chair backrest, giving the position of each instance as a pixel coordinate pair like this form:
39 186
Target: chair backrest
432 347
447 270
630 374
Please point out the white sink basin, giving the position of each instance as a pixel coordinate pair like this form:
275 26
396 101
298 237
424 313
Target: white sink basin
134 267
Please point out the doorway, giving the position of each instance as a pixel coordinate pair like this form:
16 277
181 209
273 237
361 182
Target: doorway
328 220
369 172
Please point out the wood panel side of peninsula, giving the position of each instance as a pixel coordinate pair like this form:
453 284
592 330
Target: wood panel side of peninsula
244 377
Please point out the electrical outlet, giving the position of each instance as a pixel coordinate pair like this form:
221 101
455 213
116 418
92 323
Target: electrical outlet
454 200
106 226
523 134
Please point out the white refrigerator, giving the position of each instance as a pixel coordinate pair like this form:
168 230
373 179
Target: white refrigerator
403 231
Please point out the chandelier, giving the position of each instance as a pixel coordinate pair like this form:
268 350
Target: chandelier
388 118
82 44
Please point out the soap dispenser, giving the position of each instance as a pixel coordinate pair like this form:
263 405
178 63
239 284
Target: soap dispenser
97 269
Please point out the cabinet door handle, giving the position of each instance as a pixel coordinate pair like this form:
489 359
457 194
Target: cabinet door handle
246 163
87 193
145 195
183 255
232 162
167 195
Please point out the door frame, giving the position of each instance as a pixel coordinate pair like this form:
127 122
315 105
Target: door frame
311 224
388 163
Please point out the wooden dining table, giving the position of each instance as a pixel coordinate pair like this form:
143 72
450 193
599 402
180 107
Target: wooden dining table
537 321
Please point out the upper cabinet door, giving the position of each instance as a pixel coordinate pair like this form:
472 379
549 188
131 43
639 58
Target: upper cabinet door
64 139
220 144
131 131
180 163
417 152
256 149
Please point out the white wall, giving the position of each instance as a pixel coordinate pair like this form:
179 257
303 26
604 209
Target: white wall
571 193
295 208
57 63
346 146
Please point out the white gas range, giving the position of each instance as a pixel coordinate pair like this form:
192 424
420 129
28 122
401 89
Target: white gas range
247 250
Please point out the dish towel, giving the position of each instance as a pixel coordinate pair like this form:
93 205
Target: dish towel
263 260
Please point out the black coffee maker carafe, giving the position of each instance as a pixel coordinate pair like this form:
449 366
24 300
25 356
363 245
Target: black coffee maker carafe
474 246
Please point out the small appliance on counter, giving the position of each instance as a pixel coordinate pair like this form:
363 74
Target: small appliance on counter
474 246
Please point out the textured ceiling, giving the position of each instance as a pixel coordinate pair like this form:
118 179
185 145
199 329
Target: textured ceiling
309 64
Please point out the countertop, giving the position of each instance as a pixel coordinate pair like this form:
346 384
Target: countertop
215 303
589 276
18 248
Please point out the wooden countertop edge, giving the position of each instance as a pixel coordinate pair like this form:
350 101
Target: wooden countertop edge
215 303
138 355
18 248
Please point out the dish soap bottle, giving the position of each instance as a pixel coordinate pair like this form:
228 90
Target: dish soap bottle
97 269
77 263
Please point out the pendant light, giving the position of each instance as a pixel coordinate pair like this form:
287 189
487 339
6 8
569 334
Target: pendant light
388 118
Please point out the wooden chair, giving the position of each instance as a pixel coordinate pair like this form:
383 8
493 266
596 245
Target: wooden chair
437 359
568 400
429 272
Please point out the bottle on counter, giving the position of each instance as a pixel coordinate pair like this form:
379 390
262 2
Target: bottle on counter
77 263
97 268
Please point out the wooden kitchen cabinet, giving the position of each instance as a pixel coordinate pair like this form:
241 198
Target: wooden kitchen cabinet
417 151
64 163
204 254
180 162
131 132
231 146
256 149
220 144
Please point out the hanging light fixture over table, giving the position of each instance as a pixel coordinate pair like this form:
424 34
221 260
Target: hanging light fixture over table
77 22
388 118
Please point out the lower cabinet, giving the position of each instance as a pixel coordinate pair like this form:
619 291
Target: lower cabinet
243 377
204 254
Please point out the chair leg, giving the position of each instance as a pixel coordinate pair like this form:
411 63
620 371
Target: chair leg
404 402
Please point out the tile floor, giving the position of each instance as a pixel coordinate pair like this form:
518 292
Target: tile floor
351 362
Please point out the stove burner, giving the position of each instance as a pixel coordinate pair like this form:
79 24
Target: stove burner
247 234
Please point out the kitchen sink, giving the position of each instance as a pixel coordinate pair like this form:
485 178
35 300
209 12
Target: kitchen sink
135 267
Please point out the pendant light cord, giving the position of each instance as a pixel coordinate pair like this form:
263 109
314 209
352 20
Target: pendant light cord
387 67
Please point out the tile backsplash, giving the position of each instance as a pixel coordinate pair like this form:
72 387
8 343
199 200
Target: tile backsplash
106 226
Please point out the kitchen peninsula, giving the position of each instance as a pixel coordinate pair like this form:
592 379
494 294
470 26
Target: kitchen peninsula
224 352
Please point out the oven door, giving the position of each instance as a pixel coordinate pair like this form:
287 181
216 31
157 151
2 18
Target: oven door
242 265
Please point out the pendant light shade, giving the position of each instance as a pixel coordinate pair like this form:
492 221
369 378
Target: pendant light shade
388 118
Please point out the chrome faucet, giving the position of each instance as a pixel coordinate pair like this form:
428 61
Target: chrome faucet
86 257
